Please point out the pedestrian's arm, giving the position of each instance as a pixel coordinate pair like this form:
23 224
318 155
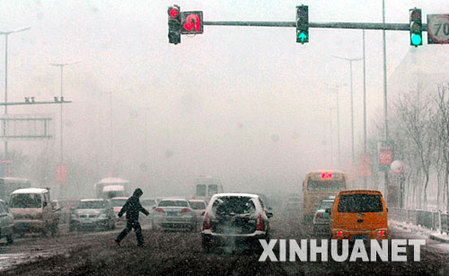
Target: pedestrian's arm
123 210
143 210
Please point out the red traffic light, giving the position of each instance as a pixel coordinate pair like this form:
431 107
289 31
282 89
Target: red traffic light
173 12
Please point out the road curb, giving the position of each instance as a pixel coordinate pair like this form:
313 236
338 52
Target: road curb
440 239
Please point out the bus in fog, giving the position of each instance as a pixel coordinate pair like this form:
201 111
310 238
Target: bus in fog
206 187
319 185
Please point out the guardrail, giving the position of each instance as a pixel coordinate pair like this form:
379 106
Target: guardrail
429 219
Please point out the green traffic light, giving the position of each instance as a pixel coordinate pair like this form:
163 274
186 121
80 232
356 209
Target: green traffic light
416 39
302 37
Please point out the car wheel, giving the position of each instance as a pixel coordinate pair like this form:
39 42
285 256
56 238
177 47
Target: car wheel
9 239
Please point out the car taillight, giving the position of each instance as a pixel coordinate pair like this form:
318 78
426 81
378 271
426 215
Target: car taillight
319 215
339 233
160 210
259 225
206 222
381 233
186 210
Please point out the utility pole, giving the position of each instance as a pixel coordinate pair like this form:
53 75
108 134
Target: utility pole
6 81
352 103
364 104
61 66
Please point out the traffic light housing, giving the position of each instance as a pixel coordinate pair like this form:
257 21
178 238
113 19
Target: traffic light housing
302 24
416 27
174 24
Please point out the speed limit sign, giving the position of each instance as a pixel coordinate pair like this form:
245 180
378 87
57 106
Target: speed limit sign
438 28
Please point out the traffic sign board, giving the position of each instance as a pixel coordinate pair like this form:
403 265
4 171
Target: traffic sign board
386 154
192 22
438 28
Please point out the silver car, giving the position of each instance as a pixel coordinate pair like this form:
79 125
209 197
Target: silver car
321 217
235 219
93 214
174 214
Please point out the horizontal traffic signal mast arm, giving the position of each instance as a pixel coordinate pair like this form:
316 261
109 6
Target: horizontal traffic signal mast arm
33 103
329 25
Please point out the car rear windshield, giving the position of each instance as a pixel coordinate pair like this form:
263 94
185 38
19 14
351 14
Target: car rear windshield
360 203
326 205
173 203
92 205
118 202
233 205
197 205
148 202
25 201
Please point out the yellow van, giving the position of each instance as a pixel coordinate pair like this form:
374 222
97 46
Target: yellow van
359 214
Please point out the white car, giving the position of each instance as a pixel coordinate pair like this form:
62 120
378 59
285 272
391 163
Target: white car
117 204
174 214
236 218
199 207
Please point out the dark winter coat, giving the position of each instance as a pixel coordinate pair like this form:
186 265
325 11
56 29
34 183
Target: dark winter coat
132 208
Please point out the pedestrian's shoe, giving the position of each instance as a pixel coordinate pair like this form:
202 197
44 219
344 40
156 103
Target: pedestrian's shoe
117 242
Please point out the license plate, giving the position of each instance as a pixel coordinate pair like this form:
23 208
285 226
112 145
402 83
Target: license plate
23 225
360 238
172 213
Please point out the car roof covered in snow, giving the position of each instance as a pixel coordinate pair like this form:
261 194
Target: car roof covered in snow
91 199
30 191
113 180
235 195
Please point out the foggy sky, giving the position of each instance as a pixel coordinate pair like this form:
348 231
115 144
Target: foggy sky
246 104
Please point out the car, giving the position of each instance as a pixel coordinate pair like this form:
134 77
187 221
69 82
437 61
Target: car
149 204
235 219
117 204
321 217
33 211
6 223
174 214
93 214
199 207
359 214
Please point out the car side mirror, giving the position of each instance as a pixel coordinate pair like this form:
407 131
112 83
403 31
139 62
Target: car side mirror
269 214
204 212
387 209
154 207
45 204
269 208
328 210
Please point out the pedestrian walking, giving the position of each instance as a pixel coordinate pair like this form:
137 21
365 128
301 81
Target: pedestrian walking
132 208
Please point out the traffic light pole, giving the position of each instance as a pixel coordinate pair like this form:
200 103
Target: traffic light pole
329 25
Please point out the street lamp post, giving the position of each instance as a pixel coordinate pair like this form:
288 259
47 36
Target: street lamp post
61 66
6 80
352 103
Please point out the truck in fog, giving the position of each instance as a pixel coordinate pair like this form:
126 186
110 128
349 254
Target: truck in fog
110 187
206 187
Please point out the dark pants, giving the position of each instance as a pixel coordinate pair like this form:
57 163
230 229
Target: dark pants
129 226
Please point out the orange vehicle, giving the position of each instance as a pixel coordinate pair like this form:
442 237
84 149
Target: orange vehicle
359 214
